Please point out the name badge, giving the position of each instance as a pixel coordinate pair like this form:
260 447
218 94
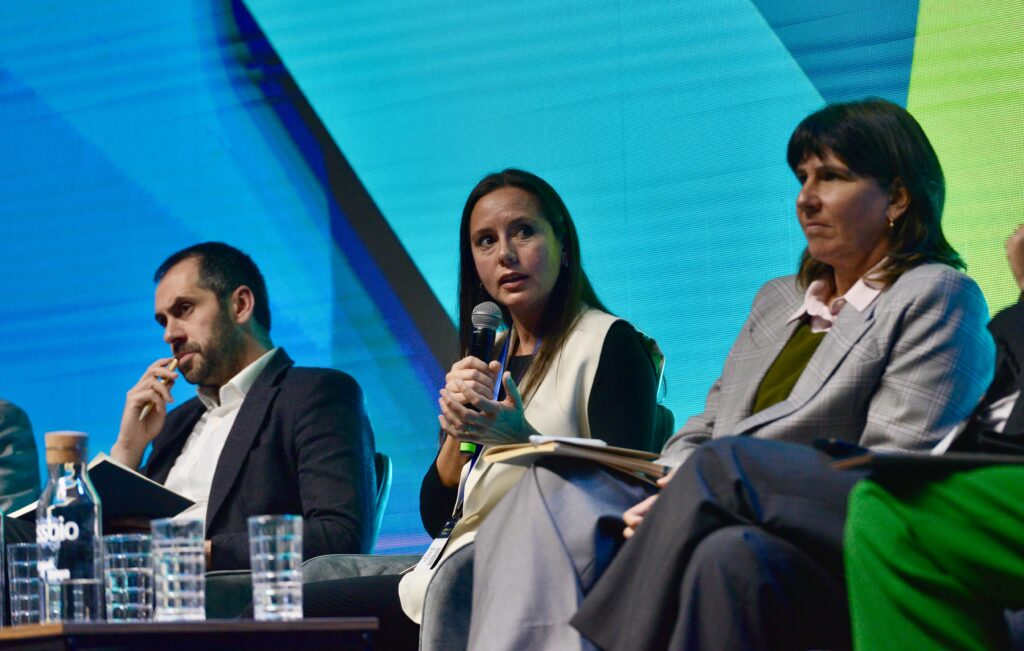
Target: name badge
433 554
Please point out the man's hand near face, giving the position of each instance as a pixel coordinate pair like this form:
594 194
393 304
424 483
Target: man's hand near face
136 434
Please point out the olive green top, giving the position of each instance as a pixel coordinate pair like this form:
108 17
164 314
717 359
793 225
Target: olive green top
787 367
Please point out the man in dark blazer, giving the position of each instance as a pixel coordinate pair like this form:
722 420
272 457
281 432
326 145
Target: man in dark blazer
262 436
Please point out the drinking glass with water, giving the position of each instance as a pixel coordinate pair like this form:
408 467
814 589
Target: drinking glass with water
179 566
275 552
26 589
129 577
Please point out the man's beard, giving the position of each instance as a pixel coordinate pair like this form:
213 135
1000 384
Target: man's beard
217 360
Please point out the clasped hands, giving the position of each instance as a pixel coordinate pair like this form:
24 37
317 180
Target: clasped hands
469 411
635 514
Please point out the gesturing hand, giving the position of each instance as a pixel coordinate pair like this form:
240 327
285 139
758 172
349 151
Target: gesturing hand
474 416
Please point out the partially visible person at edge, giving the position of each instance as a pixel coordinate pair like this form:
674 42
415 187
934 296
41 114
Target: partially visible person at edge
19 459
262 436
878 341
564 367
957 564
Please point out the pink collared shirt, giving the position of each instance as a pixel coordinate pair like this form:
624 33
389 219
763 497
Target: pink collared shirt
823 314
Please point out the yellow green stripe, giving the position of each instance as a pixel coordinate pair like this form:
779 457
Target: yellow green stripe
967 90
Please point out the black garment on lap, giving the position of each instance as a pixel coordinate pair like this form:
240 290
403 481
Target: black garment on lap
17 530
365 596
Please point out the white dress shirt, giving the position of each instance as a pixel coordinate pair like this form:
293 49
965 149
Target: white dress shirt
192 473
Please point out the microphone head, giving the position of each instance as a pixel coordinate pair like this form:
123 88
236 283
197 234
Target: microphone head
486 316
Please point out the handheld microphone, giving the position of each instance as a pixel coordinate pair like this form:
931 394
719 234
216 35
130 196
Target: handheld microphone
486 318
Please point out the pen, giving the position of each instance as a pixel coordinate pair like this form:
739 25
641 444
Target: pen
149 406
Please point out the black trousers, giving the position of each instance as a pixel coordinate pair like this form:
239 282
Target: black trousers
18 531
365 596
743 550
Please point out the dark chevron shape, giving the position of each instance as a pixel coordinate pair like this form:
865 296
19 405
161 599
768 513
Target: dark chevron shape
848 50
358 228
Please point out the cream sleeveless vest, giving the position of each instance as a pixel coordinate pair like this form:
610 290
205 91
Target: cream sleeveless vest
557 408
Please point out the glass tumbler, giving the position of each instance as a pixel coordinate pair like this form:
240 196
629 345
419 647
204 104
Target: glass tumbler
179 566
128 577
26 588
275 551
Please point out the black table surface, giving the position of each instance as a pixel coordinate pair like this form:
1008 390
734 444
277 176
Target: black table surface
210 635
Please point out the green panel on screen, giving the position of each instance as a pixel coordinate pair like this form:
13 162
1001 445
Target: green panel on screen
967 89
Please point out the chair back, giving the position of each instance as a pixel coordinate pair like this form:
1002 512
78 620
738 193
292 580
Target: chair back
382 466
664 426
664 419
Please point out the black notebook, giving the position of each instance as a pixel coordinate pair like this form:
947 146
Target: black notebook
124 493
923 462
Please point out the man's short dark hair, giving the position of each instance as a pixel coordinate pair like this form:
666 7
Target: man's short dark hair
222 269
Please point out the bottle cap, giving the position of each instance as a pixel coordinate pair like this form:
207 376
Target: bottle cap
66 447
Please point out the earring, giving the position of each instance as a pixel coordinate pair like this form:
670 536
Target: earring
565 263
892 223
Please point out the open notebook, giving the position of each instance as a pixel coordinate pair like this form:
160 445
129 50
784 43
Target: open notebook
634 462
124 492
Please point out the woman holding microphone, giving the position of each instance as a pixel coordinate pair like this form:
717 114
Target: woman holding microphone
563 367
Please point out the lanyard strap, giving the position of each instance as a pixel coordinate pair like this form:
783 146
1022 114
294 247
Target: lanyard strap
503 358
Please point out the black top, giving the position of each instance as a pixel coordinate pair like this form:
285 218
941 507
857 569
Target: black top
620 411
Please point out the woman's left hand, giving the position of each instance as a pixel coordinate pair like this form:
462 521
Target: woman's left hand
496 422
635 514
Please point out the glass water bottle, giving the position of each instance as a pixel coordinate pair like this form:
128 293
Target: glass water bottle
69 533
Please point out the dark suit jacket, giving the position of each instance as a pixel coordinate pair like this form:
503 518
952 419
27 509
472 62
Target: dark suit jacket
301 444
1007 329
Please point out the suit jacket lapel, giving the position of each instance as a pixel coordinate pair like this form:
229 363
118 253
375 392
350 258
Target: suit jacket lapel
244 432
848 329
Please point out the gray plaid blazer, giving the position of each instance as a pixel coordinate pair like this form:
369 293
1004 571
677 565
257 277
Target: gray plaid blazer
898 375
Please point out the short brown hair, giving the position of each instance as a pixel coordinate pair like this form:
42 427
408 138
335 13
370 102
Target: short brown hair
881 140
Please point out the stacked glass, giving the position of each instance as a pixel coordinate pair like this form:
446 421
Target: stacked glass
179 566
275 552
129 578
23 581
